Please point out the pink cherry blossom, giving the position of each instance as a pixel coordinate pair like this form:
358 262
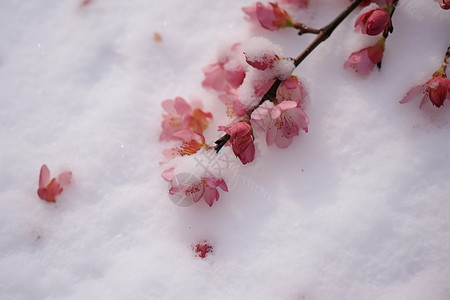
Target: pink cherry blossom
445 4
365 60
206 188
50 188
373 22
270 16
180 116
228 72
191 143
285 121
437 90
241 141
290 89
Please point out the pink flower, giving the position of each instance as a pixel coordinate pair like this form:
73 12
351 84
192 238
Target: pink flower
445 4
191 143
285 121
291 88
297 3
373 22
437 89
206 188
50 188
180 116
271 16
365 60
241 141
227 73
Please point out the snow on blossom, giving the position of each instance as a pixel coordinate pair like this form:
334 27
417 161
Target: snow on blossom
445 4
206 187
269 16
50 188
181 116
373 22
284 121
363 61
202 249
191 143
264 55
437 90
241 140
228 72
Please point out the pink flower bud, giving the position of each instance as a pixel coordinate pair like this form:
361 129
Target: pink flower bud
373 22
270 17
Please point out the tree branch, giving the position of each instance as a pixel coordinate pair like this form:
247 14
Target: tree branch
322 34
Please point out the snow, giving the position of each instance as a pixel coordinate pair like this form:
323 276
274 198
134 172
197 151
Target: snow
357 208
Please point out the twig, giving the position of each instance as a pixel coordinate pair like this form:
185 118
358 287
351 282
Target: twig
322 34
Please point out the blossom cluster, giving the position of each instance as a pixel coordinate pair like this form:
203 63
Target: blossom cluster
254 82
240 77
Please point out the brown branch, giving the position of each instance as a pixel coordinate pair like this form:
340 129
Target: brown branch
322 34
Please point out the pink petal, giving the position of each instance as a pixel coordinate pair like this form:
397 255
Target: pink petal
413 92
210 195
271 133
181 106
287 105
235 78
260 114
282 141
44 176
168 174
65 178
251 13
266 16
276 112
215 77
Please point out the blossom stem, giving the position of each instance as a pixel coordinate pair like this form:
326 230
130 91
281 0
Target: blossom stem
322 34
302 29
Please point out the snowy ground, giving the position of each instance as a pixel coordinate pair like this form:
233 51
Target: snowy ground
358 208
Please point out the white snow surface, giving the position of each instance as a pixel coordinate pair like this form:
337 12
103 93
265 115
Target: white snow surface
357 208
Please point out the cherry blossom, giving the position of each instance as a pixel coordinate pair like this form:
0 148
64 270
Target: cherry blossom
285 121
50 188
228 72
365 60
270 16
290 89
180 116
445 4
373 22
241 141
191 143
437 90
206 187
